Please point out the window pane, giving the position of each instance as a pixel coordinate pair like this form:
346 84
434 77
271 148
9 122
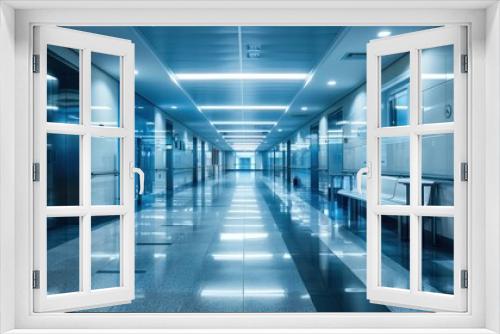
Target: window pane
63 166
395 171
105 90
395 81
395 261
63 255
105 263
437 84
63 85
437 169
105 171
437 254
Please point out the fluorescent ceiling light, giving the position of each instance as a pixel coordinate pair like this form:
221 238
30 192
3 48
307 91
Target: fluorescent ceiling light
243 136
51 78
244 146
247 143
244 123
241 76
279 130
384 33
244 107
136 72
236 138
173 107
303 108
331 83
243 131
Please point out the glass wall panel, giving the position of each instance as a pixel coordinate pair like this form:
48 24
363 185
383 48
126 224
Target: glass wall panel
437 254
105 90
105 173
105 264
395 257
63 166
436 82
63 85
63 255
394 99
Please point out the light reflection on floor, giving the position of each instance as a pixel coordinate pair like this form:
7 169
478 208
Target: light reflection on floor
243 244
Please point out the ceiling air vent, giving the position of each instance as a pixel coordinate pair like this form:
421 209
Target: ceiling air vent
253 51
354 56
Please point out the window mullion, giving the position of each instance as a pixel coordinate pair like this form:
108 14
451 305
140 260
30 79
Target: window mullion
85 167
414 173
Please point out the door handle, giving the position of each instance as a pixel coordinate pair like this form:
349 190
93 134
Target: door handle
138 171
361 171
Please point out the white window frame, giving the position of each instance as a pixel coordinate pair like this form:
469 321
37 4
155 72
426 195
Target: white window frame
485 51
86 43
413 44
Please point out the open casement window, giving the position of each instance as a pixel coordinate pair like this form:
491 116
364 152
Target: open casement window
417 171
83 170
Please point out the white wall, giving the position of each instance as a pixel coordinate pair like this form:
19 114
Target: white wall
492 153
7 170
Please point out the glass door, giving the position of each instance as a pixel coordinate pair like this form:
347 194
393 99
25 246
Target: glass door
416 184
83 170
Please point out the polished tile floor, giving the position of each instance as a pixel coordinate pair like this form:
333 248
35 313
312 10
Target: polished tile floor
244 243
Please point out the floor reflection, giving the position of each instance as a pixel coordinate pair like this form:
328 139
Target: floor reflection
245 243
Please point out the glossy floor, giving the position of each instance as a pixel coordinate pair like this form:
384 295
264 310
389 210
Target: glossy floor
244 243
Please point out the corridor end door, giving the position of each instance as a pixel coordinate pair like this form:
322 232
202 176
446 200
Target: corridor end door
417 161
83 230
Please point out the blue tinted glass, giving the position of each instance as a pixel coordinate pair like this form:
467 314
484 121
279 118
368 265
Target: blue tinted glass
105 90
395 257
437 84
63 85
105 263
63 255
63 178
105 175
394 98
395 171
437 169
437 254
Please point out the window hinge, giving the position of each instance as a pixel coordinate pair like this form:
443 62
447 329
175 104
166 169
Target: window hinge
36 63
36 279
36 172
464 279
464 171
465 63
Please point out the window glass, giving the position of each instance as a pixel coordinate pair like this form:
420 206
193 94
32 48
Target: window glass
63 85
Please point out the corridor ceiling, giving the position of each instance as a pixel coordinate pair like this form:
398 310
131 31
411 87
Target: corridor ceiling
247 88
